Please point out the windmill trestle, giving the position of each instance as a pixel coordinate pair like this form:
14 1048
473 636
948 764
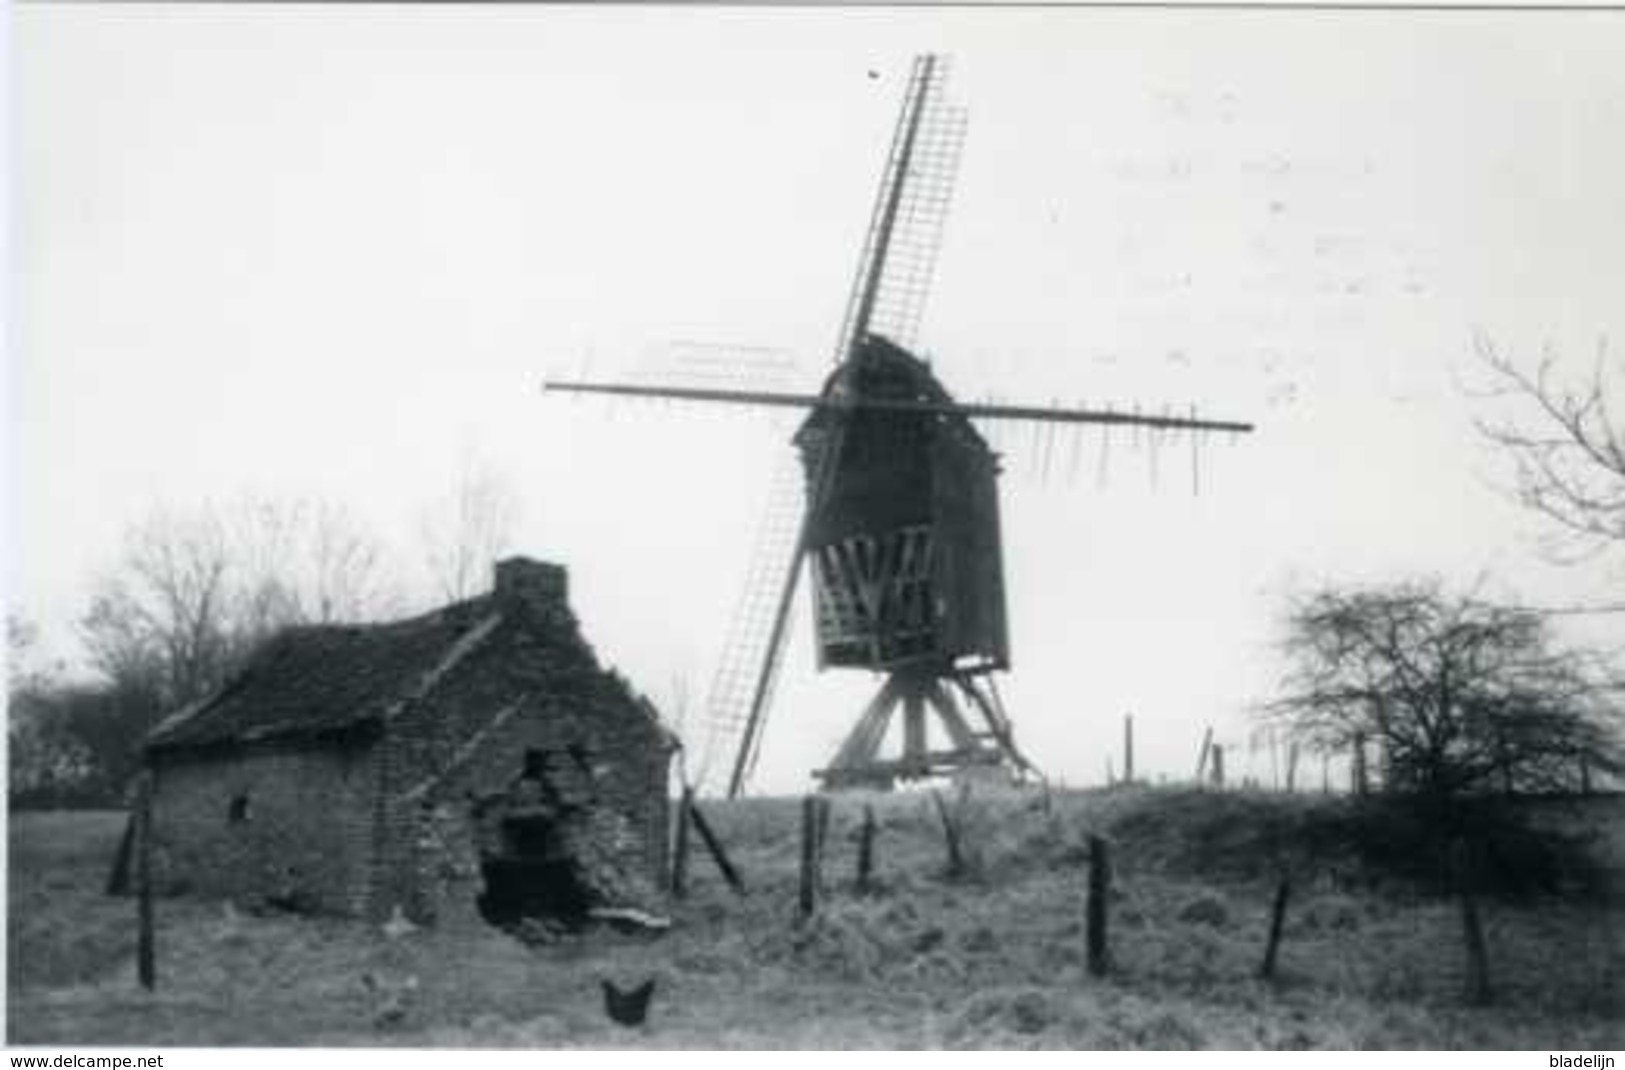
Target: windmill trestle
920 691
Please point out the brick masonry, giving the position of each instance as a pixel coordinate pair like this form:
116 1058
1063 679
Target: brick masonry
382 815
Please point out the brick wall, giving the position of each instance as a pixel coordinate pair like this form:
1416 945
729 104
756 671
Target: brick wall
534 685
363 829
271 822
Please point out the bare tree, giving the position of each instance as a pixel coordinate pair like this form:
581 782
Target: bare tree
1462 696
468 529
193 591
302 561
164 611
344 568
1565 441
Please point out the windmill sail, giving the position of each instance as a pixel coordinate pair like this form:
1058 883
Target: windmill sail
910 209
899 254
747 646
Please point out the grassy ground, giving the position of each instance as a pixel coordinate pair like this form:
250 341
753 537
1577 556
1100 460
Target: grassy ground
992 958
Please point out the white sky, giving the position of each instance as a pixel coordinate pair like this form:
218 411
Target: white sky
333 251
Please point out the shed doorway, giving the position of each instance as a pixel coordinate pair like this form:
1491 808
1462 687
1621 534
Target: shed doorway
531 875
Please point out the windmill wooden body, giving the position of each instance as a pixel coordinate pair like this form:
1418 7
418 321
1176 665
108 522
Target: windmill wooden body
906 563
901 523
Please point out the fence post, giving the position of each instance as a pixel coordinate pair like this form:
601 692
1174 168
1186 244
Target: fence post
1099 886
1478 960
821 831
1277 920
950 833
1128 748
866 849
679 860
146 958
809 857
1218 765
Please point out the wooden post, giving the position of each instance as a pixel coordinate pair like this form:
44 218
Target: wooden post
821 831
809 857
866 849
714 845
1478 960
679 860
1277 920
1128 748
121 880
146 959
1361 784
1218 765
950 832
1201 758
1099 887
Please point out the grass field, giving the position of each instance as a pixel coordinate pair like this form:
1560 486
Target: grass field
994 958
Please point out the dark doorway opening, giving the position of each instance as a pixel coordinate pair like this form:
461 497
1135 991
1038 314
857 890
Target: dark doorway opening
532 876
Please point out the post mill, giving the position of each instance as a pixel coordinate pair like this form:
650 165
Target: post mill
901 519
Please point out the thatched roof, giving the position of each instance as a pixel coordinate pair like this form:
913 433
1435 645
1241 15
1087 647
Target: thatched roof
323 679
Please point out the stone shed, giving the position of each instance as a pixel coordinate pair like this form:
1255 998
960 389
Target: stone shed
472 762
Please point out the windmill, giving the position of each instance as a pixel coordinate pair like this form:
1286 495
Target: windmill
900 528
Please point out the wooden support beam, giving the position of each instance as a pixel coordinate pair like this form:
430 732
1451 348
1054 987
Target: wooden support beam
936 762
120 881
914 740
714 846
1201 757
1277 922
998 722
863 742
959 730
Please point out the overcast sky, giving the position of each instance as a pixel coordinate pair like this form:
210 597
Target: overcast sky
333 251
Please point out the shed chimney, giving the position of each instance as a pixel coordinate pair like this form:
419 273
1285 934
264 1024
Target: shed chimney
534 585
